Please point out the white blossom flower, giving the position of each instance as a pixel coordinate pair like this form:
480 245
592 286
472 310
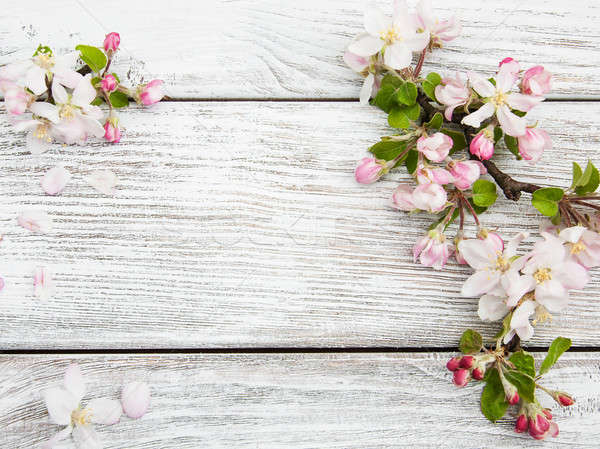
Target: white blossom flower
397 38
583 245
64 408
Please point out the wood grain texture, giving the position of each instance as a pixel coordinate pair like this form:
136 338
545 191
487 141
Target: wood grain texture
293 401
239 224
275 49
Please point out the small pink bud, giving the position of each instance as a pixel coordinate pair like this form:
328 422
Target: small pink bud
492 237
461 377
111 42
452 92
542 423
521 425
369 170
547 413
533 143
453 364
477 374
112 132
151 93
435 147
402 198
465 173
466 362
109 83
536 81
514 399
565 400
482 144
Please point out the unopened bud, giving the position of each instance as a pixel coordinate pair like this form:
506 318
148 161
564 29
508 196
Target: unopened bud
461 377
466 362
111 42
477 373
521 425
453 363
547 413
563 399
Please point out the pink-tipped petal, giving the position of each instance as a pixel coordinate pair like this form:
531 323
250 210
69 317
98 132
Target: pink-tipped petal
55 180
135 399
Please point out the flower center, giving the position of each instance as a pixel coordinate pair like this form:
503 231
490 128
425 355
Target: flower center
498 99
502 264
390 36
541 315
81 417
41 133
66 111
44 61
578 247
541 275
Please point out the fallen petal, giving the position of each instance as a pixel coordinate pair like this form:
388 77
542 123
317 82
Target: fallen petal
36 221
55 180
105 411
135 398
43 285
104 181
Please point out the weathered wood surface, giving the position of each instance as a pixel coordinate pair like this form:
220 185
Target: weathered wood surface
239 224
293 401
275 49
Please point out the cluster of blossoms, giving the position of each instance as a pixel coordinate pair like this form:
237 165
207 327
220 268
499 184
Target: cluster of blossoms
63 404
57 99
448 131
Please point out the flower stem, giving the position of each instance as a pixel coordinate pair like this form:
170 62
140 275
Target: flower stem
420 63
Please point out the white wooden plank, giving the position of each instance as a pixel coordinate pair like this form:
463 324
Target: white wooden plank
240 224
275 49
293 401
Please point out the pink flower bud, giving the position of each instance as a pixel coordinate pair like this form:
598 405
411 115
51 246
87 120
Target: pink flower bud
436 147
109 83
477 374
482 144
466 173
452 92
521 425
151 93
514 399
466 362
429 174
432 250
493 237
564 399
370 170
536 81
111 42
547 413
533 143
402 198
461 377
112 132
430 197
453 364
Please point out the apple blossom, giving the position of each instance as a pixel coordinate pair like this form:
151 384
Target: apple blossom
512 66
402 198
435 147
112 132
482 144
439 30
583 245
55 180
465 173
112 42
498 100
427 174
396 38
109 83
370 170
41 133
452 92
63 404
521 425
432 249
533 143
361 65
151 92
493 237
536 81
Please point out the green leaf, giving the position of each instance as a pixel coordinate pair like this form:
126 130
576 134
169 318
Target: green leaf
493 400
95 80
478 209
434 78
525 384
43 49
484 193
429 90
497 134
555 220
557 348
436 121
97 101
411 161
513 145
386 96
398 118
589 180
407 94
118 99
116 77
457 137
546 200
470 342
92 56
412 112
505 326
388 150
523 362
577 174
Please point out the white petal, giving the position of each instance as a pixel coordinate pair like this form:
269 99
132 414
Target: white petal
355 62
105 411
55 180
376 21
505 78
478 253
74 382
513 244
572 234
36 221
60 436
417 41
104 181
60 404
492 308
84 93
135 398
552 295
397 56
94 112
571 275
481 85
66 61
524 103
35 79
425 11
46 110
59 93
66 77
86 437
366 46
25 125
367 89
511 124
480 282
402 20
474 119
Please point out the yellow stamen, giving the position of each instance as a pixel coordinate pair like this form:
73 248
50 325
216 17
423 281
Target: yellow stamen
390 36
498 99
542 274
41 133
44 61
578 247
541 315
81 417
66 111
